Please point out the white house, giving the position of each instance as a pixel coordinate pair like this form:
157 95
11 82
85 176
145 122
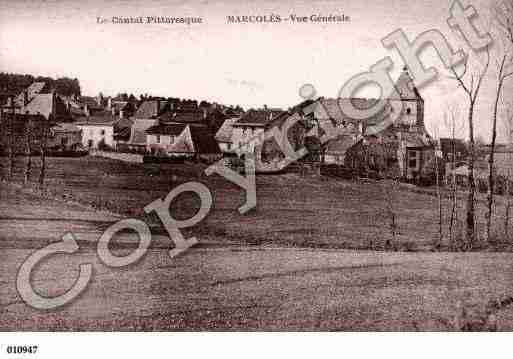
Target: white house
97 132
224 135
248 131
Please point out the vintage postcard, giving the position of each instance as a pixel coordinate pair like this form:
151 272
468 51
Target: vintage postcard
326 165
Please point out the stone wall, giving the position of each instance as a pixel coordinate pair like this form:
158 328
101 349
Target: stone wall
126 157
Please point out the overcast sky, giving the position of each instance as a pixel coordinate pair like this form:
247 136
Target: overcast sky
246 64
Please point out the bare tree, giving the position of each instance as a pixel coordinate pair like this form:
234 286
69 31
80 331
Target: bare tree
437 147
450 119
42 148
390 192
504 18
471 89
508 119
507 205
3 134
28 150
10 137
501 77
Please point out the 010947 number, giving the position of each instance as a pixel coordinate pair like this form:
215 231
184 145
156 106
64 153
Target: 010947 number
22 349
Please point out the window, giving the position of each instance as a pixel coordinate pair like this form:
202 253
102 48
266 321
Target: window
102 132
408 110
171 139
228 146
412 159
64 141
157 138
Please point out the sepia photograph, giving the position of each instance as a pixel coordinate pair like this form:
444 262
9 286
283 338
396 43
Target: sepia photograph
255 166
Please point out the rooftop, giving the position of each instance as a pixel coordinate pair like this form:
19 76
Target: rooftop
224 134
258 117
150 109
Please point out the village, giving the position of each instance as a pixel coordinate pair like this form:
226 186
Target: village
373 193
155 129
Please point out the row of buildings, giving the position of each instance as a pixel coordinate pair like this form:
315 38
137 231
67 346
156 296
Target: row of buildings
399 148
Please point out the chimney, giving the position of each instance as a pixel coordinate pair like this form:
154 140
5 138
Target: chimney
109 103
54 105
86 110
25 98
158 107
204 113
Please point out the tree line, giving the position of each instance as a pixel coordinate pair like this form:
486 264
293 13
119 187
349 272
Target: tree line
12 84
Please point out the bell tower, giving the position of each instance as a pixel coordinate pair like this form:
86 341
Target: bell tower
412 103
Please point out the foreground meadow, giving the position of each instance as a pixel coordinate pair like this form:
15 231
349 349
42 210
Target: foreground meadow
223 286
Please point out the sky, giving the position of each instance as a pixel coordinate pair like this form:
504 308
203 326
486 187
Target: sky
247 64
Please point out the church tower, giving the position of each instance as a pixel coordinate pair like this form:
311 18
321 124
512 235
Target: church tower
412 103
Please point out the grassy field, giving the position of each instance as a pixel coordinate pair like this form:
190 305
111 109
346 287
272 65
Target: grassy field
291 210
286 266
236 287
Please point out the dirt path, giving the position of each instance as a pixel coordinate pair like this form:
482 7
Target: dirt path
239 288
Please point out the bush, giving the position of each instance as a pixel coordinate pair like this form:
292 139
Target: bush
102 146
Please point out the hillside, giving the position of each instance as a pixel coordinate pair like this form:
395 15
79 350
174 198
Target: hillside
240 287
291 210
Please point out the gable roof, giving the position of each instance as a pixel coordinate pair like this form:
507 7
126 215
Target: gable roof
65 128
45 105
340 145
121 106
102 119
185 117
34 89
406 88
98 118
414 139
167 129
150 109
123 123
41 103
337 109
225 132
257 118
138 131
447 145
91 102
204 142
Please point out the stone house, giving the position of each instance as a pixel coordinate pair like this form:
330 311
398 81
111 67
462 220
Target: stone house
251 126
182 140
453 150
224 136
145 117
97 131
65 137
402 148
